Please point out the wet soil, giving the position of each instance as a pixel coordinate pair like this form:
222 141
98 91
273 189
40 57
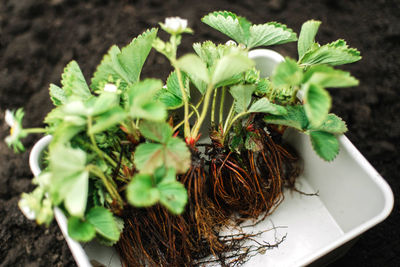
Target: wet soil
38 38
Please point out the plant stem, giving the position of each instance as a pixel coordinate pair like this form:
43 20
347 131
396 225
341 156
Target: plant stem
185 100
198 124
221 105
107 183
34 130
225 134
190 114
213 108
294 94
195 110
94 146
230 114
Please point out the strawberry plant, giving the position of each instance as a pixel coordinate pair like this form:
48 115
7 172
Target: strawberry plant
127 170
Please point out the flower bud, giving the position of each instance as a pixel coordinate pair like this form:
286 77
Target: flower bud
175 24
109 87
231 43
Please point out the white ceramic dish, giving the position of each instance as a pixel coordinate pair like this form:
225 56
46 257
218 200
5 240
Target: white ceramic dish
352 198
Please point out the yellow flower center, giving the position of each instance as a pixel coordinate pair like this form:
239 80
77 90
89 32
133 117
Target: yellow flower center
11 131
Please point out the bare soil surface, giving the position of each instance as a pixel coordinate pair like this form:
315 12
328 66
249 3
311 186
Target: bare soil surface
39 37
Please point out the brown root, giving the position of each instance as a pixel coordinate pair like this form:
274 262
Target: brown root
250 184
223 187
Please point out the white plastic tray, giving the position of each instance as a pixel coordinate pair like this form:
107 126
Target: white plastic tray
352 198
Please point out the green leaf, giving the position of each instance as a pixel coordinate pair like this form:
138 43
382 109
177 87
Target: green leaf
57 95
125 64
65 132
317 103
104 222
332 124
141 102
295 118
69 180
107 120
133 56
66 161
177 155
287 73
174 153
106 69
152 111
169 175
327 76
80 230
242 31
263 87
149 156
208 52
77 193
253 142
173 195
170 100
73 82
325 144
160 172
103 103
76 108
271 33
263 105
336 53
194 67
307 36
156 131
230 65
171 96
173 84
242 96
141 191
237 28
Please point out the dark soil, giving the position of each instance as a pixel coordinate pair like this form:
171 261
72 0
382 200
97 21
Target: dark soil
38 38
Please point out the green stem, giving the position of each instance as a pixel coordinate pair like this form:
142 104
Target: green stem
190 114
221 105
185 100
294 94
206 103
228 118
94 146
213 108
230 125
195 110
34 130
107 183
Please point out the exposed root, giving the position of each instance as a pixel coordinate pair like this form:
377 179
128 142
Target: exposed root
223 189
251 185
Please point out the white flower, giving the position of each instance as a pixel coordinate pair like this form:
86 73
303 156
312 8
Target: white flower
231 43
24 206
15 127
14 120
9 118
109 87
175 24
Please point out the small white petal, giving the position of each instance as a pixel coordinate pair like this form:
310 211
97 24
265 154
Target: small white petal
109 87
175 24
9 118
23 206
231 43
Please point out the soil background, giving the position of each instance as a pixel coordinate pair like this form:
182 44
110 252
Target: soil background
39 37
